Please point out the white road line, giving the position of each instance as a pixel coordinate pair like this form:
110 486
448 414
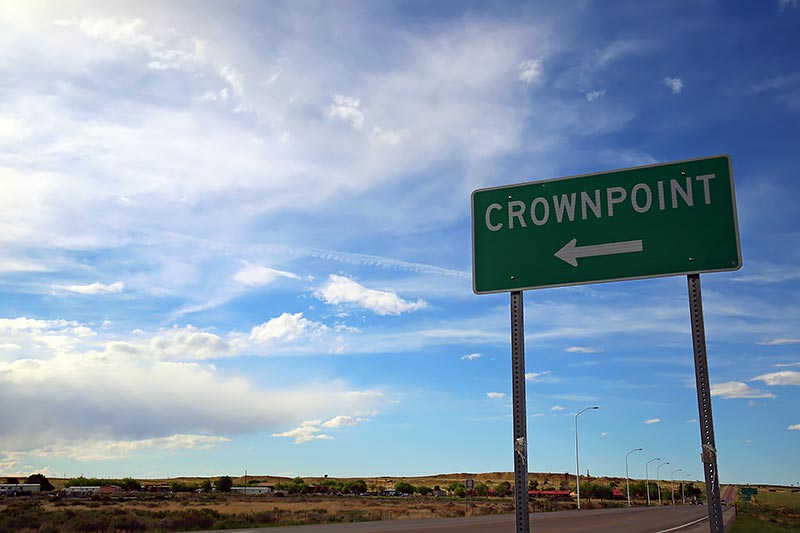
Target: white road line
683 526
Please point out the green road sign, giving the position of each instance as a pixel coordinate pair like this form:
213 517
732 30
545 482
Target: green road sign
749 491
644 222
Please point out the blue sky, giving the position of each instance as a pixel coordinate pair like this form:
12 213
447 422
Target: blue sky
236 236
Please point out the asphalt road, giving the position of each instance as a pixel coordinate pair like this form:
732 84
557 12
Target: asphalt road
635 520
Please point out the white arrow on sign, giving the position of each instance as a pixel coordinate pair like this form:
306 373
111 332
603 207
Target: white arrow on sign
570 252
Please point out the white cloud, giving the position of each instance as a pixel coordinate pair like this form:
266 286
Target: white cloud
379 136
233 78
218 96
23 265
346 109
22 324
496 395
340 421
256 275
794 427
777 342
134 34
784 377
604 434
535 376
286 328
783 4
556 408
312 429
674 84
83 331
736 389
591 96
580 349
126 391
99 450
306 432
11 130
616 50
786 365
531 70
652 421
93 288
471 356
187 343
342 290
691 421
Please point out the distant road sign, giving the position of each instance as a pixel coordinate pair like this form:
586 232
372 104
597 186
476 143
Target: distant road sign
749 491
659 220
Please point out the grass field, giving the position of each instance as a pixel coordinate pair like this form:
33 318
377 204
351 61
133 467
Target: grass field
770 512
190 512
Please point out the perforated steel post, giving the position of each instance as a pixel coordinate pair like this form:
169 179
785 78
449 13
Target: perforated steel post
520 423
709 448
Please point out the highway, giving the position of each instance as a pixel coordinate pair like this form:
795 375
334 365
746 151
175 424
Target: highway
634 520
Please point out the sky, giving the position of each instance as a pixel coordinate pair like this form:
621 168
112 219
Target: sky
237 236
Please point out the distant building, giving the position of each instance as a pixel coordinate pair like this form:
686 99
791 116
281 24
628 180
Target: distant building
19 489
252 491
82 491
157 488
561 495
109 489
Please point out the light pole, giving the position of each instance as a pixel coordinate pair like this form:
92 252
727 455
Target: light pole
627 480
683 497
647 477
577 465
672 484
658 480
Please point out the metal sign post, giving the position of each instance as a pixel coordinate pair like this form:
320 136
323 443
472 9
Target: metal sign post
709 448
520 423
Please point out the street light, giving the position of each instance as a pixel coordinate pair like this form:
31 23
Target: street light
577 466
627 481
658 480
672 484
647 477
683 497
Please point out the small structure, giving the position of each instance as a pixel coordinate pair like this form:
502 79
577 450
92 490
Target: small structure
109 489
157 488
552 495
19 489
252 491
84 491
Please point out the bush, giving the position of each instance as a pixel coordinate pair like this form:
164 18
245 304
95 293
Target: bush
355 487
422 489
224 484
503 489
404 487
